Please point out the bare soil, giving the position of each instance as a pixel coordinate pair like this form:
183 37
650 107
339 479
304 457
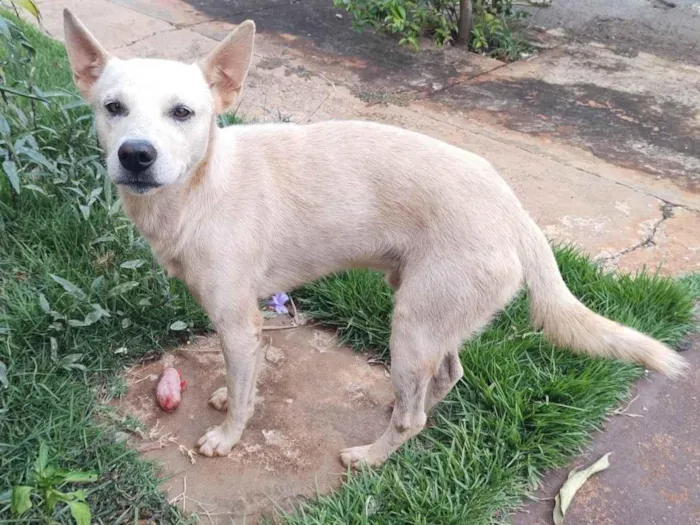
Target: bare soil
314 398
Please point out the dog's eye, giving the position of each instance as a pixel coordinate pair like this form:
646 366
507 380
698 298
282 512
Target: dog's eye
181 112
115 108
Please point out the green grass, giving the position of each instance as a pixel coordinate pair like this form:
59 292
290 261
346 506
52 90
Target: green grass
522 407
68 225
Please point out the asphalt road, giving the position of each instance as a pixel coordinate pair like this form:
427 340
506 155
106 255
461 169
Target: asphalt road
669 28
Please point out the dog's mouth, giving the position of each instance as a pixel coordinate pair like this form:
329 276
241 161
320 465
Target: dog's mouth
138 186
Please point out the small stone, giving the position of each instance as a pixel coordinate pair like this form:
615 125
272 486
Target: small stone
289 401
272 437
339 16
274 355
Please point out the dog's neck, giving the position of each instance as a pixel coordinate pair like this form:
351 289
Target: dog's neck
159 216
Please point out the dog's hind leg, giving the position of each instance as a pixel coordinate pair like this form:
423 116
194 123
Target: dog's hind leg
414 361
449 373
438 304
419 342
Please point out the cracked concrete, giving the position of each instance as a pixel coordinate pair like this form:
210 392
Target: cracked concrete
649 240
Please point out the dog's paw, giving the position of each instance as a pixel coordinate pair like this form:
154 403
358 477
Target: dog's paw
216 443
358 457
219 399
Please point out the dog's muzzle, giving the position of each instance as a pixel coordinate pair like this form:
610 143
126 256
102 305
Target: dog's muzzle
136 157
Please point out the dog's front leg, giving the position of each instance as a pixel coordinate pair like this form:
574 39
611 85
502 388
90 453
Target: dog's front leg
240 341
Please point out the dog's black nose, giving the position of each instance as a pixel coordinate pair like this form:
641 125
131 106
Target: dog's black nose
137 155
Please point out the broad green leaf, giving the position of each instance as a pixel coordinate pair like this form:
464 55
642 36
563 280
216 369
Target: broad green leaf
45 306
80 512
54 349
97 283
74 104
95 193
178 326
21 500
78 495
70 288
42 459
93 317
4 127
122 288
4 28
25 94
104 238
20 114
37 157
51 498
74 476
3 375
116 206
98 307
10 170
132 265
36 188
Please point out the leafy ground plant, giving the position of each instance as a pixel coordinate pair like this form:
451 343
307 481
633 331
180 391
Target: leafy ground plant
46 480
80 296
491 32
80 299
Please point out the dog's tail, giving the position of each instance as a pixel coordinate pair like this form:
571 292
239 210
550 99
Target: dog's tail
569 324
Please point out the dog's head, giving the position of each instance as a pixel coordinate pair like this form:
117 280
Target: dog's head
154 118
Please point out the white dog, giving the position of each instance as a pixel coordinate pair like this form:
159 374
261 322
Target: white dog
454 241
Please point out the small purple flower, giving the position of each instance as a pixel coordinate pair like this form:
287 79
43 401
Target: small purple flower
277 303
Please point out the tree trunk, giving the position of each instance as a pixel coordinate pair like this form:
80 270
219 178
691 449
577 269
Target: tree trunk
466 20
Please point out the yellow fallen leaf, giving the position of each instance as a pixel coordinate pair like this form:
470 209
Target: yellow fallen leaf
30 5
573 482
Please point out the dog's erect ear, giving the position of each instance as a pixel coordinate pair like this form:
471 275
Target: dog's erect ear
227 66
85 54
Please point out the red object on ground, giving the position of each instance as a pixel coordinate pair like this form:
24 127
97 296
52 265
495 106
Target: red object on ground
170 386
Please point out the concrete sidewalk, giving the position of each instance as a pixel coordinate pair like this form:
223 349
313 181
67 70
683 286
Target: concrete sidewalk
602 147
618 211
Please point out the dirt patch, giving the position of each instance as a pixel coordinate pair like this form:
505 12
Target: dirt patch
314 398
